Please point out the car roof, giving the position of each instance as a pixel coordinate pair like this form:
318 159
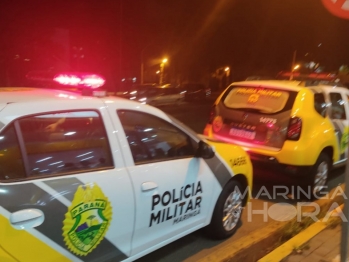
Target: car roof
308 76
293 85
23 94
330 87
10 95
283 84
37 97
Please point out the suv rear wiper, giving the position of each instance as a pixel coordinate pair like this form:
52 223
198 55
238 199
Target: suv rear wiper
254 110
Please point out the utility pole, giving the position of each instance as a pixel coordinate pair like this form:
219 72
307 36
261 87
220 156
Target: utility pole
142 59
142 62
142 72
345 232
293 64
162 68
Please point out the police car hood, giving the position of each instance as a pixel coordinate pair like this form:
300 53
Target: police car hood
235 158
232 154
226 150
2 106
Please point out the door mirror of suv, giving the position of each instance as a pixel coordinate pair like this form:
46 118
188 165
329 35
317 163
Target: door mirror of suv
204 150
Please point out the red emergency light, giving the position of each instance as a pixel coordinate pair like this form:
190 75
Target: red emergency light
79 79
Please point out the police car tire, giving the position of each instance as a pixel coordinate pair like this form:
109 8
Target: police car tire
216 229
324 162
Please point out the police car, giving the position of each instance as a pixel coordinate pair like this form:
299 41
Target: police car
108 179
298 133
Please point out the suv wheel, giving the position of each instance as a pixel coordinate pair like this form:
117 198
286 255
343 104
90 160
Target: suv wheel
320 173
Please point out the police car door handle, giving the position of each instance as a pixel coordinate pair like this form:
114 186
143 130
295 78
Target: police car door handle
146 186
27 218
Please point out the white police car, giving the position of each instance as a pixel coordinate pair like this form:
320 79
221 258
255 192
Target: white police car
107 179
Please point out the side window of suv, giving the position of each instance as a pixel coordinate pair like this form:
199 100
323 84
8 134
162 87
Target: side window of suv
320 104
337 106
153 139
58 143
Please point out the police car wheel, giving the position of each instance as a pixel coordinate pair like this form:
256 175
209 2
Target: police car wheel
227 213
320 173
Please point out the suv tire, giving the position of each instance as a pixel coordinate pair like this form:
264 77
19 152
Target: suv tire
320 173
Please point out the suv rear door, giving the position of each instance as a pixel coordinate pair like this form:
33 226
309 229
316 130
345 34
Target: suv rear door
254 115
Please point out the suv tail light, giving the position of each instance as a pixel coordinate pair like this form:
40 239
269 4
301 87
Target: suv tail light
294 129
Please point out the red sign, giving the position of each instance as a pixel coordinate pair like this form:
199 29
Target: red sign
338 8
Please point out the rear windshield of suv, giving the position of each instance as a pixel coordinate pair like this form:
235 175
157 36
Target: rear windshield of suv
261 99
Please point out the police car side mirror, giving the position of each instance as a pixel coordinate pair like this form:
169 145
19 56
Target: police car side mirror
204 150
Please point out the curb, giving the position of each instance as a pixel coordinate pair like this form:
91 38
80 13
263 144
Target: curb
303 237
255 246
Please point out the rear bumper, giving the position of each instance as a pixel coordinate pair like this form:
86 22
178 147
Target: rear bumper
268 168
298 153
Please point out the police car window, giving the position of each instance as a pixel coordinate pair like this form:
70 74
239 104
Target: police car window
153 139
65 142
337 106
11 163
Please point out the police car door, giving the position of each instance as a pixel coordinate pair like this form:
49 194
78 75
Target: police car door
62 195
172 187
339 115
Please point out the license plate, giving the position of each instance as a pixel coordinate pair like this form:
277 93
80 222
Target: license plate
242 133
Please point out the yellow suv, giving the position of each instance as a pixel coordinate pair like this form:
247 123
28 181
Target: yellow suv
298 133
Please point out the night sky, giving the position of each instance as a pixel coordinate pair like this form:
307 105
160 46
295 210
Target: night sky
198 36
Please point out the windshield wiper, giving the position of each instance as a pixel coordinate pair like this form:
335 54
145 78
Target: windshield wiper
253 110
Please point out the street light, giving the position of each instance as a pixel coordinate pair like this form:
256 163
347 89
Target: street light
296 67
227 74
162 67
220 73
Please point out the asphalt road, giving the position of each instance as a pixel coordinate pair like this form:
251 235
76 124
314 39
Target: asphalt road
197 245
194 115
